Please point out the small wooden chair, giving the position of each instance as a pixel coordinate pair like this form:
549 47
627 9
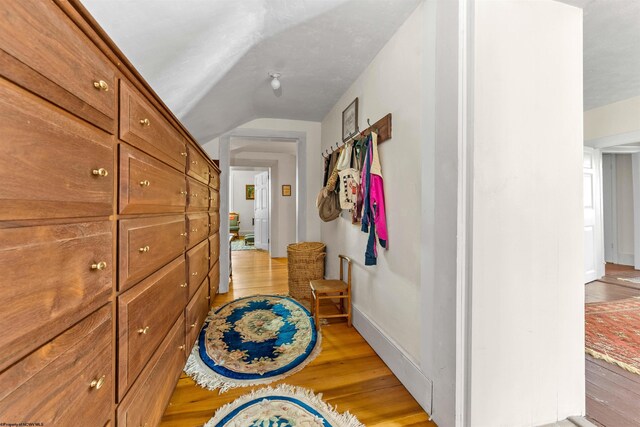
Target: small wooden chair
332 289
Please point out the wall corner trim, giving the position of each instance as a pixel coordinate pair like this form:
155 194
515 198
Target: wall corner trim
420 387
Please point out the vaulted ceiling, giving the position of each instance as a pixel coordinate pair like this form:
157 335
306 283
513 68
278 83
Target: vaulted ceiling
209 59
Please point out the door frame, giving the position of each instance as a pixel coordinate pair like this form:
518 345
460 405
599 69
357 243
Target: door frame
614 208
596 155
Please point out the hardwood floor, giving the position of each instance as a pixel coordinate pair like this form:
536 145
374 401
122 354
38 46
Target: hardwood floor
613 394
348 372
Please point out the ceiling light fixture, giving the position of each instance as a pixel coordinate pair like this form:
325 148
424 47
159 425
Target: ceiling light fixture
275 82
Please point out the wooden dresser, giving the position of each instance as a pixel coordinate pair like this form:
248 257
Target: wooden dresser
109 222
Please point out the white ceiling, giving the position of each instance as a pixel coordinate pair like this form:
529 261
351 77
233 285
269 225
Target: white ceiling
209 59
262 145
611 51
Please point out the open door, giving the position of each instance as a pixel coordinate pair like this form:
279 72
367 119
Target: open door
261 210
593 245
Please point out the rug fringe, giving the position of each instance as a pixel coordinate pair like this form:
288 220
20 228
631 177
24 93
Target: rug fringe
609 359
337 419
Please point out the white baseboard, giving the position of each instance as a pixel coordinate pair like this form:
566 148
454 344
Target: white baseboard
420 387
625 259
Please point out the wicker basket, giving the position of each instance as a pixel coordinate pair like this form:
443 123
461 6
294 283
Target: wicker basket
305 263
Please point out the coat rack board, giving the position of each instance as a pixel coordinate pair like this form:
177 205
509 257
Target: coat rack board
384 128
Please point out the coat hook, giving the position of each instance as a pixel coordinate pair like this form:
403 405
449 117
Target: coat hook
368 123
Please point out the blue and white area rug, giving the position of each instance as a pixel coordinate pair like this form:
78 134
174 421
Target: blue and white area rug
253 340
284 406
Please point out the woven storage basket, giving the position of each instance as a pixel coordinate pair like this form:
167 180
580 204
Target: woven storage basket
305 263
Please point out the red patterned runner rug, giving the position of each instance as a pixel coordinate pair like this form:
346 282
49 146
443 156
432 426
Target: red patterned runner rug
613 332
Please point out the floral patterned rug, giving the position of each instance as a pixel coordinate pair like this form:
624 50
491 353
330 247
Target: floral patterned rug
613 332
284 406
253 340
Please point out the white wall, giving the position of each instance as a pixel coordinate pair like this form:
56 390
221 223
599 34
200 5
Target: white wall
238 180
387 297
527 314
618 118
283 209
624 208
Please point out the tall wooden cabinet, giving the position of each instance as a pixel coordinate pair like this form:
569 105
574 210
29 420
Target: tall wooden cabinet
109 222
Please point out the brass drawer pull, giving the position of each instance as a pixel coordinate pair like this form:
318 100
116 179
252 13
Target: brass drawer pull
194 230
182 347
194 195
194 162
143 331
208 298
183 234
184 285
99 266
145 183
100 172
97 384
193 325
145 122
144 249
183 154
101 85
184 193
195 273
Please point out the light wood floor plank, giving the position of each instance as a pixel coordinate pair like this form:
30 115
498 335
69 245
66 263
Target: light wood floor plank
347 372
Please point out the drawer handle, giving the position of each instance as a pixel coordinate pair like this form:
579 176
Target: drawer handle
100 172
195 273
193 325
145 183
97 384
194 195
144 249
143 331
184 193
208 298
194 230
99 266
194 162
182 347
101 85
184 285
145 122
183 154
183 234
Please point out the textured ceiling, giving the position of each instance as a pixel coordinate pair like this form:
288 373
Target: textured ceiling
611 51
209 59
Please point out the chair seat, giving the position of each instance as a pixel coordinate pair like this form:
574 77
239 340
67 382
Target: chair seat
234 227
322 286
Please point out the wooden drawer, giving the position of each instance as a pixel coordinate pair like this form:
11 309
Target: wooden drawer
54 384
145 314
198 196
198 262
146 244
214 200
196 312
142 126
197 227
214 222
214 179
51 279
47 54
148 185
214 248
48 160
146 401
198 167
214 280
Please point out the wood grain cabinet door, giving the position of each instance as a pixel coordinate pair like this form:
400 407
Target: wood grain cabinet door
214 222
52 276
214 248
214 200
197 166
198 261
148 185
146 401
52 165
44 52
214 280
197 227
146 244
214 179
198 199
68 381
146 313
196 313
142 126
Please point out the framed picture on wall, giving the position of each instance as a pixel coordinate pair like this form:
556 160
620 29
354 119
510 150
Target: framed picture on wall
286 190
350 120
250 192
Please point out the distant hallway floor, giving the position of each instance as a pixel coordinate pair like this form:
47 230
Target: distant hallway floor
613 394
347 372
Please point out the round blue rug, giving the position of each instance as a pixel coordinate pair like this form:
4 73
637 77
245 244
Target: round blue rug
253 340
284 406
